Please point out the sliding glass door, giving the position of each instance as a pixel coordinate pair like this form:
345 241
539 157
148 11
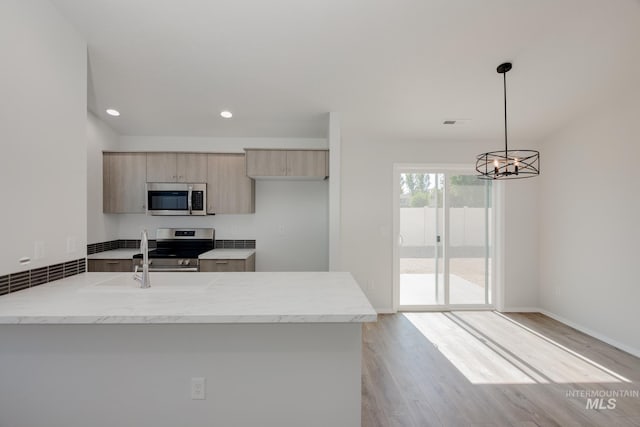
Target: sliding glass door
445 239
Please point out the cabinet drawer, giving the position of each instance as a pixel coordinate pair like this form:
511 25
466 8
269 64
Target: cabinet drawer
110 265
222 265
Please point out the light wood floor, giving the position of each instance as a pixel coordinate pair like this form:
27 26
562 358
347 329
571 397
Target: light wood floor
491 369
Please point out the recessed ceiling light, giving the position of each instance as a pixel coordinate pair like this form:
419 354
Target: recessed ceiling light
112 112
226 114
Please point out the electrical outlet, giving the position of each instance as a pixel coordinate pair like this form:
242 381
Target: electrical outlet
198 386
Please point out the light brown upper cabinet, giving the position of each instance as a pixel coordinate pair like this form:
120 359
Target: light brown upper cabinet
262 163
176 167
229 190
266 163
124 176
308 163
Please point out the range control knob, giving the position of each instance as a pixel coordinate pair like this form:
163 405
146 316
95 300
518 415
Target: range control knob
187 261
180 262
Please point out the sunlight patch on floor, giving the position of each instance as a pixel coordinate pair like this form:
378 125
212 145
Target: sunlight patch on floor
488 348
420 289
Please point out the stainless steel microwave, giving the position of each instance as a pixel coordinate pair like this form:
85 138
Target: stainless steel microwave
176 198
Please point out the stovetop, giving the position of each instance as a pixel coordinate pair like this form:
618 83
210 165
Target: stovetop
182 243
173 253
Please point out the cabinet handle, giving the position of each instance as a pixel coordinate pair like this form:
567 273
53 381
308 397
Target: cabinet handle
222 262
113 262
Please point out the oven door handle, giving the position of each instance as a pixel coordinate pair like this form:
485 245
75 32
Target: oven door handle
190 191
173 269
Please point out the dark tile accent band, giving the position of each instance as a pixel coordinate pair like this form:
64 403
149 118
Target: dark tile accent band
235 244
95 248
4 285
56 272
15 282
39 276
19 281
70 268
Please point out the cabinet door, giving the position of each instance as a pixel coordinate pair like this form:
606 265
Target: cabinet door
229 190
124 177
222 265
162 167
191 167
266 163
307 163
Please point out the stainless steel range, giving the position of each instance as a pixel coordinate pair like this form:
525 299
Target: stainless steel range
178 249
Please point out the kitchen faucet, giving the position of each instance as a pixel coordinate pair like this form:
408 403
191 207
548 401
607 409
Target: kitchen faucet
143 278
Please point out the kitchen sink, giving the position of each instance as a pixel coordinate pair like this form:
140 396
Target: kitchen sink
160 283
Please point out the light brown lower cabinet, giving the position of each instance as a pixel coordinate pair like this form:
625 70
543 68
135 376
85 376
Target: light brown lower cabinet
228 265
110 265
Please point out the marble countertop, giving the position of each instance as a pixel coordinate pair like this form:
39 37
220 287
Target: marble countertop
115 298
115 254
228 254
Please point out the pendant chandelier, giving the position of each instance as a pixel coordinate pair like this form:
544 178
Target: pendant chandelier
507 164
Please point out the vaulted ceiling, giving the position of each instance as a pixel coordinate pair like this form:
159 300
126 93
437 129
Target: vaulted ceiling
392 68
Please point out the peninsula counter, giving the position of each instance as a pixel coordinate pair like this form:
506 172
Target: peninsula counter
273 349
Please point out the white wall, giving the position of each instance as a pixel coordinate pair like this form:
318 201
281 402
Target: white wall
290 224
266 375
100 137
219 145
335 190
42 136
367 215
589 210
520 245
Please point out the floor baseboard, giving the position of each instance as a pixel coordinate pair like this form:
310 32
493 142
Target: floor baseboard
520 310
590 332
